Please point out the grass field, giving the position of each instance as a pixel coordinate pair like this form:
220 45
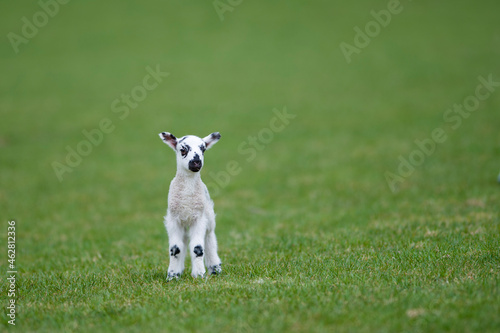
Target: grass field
312 234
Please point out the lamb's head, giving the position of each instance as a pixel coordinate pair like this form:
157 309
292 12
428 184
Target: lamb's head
190 149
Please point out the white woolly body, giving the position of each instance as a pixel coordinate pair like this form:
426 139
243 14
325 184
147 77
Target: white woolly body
189 200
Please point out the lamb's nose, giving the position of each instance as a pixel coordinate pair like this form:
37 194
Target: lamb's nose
195 164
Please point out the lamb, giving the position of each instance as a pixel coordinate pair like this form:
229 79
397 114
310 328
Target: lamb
190 213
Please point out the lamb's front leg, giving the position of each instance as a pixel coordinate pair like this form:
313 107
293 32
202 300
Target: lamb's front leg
177 248
197 248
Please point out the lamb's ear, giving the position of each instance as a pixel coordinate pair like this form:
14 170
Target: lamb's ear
211 139
169 139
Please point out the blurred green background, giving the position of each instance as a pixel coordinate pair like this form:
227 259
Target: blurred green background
324 173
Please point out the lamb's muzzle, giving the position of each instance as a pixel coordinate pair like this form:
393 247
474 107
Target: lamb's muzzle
195 164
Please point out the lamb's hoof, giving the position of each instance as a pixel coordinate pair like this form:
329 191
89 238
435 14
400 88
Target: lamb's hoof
200 275
171 276
215 269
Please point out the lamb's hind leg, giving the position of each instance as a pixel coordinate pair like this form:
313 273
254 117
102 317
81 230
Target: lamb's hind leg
212 259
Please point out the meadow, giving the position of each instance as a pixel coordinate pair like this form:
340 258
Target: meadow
355 183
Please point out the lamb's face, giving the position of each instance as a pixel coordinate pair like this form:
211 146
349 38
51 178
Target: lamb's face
190 149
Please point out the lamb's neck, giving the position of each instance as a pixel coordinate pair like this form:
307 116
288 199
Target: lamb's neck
188 178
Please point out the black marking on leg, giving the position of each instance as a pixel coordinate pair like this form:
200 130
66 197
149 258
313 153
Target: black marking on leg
198 250
171 275
174 251
216 269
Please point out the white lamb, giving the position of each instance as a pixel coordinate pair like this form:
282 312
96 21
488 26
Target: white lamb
190 214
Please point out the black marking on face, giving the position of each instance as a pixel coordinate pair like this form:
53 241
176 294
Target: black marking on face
198 250
174 251
185 150
182 139
195 164
203 148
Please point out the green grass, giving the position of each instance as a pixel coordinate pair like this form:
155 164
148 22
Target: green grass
311 237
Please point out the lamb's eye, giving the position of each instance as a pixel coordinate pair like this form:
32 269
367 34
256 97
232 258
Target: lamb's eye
184 151
202 147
